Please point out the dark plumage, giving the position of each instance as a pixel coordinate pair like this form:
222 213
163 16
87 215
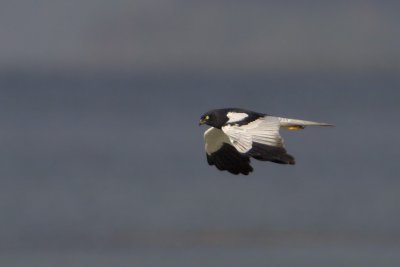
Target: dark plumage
218 117
228 158
236 135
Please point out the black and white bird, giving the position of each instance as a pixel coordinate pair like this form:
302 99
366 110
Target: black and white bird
236 135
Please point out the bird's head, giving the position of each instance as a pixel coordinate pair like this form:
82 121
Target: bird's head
215 118
204 119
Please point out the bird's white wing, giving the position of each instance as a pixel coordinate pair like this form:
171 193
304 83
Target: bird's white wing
214 139
235 116
264 130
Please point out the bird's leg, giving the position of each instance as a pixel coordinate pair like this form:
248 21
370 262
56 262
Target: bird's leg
295 127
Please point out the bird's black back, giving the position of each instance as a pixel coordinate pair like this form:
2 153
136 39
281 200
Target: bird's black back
219 116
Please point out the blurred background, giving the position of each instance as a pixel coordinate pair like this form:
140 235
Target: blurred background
103 163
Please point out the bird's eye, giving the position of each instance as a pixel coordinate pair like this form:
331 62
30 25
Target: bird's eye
207 117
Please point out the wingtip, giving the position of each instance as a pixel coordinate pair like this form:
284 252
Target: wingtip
322 124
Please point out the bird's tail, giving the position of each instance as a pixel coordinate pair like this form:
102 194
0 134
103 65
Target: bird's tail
294 125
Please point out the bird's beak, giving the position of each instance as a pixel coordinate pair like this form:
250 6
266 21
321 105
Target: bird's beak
202 121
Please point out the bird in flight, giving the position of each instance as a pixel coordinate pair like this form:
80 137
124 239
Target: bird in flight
236 135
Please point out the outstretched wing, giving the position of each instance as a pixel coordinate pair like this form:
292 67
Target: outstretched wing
264 130
259 139
223 155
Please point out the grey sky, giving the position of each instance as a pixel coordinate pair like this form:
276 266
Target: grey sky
244 36
102 162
